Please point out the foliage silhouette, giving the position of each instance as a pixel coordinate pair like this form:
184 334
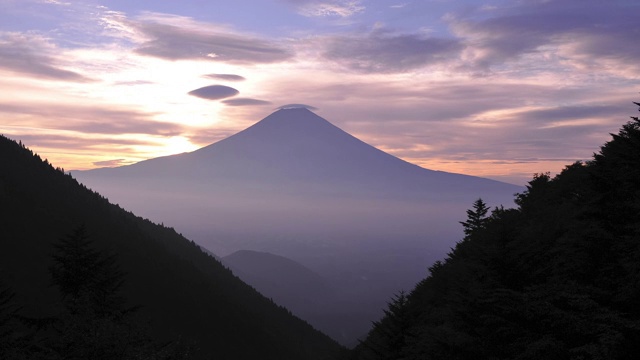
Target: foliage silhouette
556 278
185 293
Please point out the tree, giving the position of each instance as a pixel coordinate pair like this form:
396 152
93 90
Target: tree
390 336
83 274
17 336
94 323
476 218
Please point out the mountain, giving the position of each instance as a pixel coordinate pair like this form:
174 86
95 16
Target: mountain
184 294
555 278
287 282
297 186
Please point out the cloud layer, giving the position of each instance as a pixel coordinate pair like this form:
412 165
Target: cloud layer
33 55
176 38
501 90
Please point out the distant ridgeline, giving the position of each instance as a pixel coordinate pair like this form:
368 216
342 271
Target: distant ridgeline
556 278
81 278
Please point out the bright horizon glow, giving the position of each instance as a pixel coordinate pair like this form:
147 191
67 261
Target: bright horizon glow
498 89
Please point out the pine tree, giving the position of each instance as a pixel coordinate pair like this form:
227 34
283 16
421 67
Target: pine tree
390 336
94 322
476 218
86 277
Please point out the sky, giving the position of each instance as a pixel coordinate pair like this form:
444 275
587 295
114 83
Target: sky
501 89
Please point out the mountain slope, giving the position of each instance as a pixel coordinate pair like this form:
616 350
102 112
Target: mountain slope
287 282
556 278
185 293
297 186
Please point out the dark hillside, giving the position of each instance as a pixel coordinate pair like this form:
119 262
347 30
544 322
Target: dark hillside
184 293
556 278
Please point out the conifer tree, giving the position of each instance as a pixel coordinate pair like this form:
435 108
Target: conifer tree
94 323
476 218
86 277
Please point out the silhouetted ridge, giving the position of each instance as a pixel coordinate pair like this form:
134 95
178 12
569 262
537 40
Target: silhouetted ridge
297 186
556 278
185 294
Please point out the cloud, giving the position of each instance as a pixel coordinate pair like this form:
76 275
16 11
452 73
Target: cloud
566 114
88 119
579 33
34 55
297 106
78 144
112 163
470 126
179 38
56 2
214 92
384 52
327 8
330 8
133 83
228 77
245 102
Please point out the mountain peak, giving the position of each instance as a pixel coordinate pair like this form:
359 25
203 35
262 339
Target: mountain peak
295 120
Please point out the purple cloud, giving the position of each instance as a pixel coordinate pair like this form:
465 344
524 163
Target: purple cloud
173 42
228 77
385 52
76 143
245 102
214 92
297 106
33 55
324 8
103 120
582 30
112 163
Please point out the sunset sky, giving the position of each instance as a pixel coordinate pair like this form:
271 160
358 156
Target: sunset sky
497 88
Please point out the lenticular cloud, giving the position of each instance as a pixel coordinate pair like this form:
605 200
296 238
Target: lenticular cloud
214 92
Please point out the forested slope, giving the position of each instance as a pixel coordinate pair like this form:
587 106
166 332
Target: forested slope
185 296
556 278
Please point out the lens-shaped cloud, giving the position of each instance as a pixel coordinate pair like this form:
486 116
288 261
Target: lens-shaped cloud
297 106
214 92
245 102
227 77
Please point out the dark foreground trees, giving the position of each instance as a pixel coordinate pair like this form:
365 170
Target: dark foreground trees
184 293
556 278
93 322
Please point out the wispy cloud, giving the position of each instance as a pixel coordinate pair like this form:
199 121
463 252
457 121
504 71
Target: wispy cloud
112 163
179 38
328 8
227 77
34 55
245 102
387 52
576 33
86 119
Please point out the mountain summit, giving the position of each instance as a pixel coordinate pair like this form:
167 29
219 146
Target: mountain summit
295 185
296 151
